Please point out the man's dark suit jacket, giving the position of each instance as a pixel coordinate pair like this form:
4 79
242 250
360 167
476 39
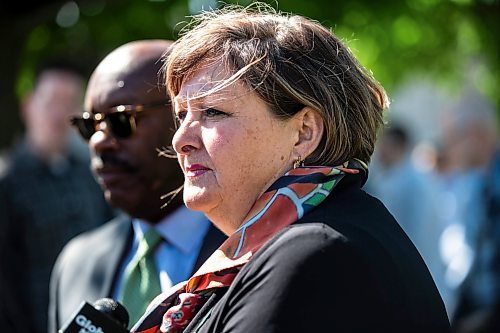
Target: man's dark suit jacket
87 267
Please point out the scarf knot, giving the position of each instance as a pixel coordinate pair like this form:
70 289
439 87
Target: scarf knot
178 316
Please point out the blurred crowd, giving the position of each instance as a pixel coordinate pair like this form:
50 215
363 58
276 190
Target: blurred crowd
446 196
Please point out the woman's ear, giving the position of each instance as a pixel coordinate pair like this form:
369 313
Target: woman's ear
311 128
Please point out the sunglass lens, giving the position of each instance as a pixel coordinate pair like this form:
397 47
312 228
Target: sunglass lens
86 127
120 124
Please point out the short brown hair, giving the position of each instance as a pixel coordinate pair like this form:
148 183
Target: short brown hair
290 62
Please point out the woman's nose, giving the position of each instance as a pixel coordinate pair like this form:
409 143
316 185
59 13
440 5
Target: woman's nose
186 139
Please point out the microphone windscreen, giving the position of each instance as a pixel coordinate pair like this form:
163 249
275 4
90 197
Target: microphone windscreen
106 317
113 309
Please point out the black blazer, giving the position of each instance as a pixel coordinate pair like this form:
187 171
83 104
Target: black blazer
346 266
87 267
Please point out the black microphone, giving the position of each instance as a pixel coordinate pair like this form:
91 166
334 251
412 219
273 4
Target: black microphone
104 316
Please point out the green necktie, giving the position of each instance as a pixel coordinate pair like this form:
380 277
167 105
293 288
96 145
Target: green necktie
141 282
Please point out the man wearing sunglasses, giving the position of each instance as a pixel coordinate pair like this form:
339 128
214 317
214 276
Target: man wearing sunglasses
127 120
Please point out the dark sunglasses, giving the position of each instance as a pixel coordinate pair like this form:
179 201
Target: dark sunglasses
120 121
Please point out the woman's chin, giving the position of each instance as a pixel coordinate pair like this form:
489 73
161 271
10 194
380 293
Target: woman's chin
199 200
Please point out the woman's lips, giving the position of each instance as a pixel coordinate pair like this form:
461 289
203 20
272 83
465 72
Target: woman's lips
196 170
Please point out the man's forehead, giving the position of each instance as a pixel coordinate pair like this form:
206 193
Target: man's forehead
102 87
126 76
58 80
111 89
113 72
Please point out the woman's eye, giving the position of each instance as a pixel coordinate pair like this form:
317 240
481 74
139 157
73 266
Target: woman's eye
210 112
180 116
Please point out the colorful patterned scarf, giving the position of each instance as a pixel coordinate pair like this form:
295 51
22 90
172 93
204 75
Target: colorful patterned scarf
285 202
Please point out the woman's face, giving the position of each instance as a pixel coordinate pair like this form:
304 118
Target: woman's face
229 146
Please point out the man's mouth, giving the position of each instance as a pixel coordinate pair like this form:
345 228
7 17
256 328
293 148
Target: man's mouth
111 169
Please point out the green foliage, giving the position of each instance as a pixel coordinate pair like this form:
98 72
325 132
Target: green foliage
451 41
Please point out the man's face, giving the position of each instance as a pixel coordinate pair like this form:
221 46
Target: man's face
56 97
129 170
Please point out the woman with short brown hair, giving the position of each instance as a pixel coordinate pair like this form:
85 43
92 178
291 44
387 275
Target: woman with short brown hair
277 123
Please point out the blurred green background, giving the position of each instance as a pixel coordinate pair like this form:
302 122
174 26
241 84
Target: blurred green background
451 42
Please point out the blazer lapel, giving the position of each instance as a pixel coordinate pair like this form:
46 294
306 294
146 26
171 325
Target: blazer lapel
213 239
119 240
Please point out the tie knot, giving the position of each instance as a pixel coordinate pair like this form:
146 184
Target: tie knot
150 239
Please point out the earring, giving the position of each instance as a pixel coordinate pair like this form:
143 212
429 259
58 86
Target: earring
298 163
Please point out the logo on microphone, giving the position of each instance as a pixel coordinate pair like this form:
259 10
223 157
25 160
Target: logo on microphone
86 325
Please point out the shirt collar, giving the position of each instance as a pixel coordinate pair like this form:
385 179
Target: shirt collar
185 229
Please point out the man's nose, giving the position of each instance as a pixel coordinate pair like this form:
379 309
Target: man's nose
102 140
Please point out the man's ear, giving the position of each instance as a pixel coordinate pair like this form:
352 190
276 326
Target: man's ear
310 128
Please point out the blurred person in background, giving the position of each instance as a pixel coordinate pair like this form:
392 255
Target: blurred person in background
469 213
128 119
47 196
407 192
